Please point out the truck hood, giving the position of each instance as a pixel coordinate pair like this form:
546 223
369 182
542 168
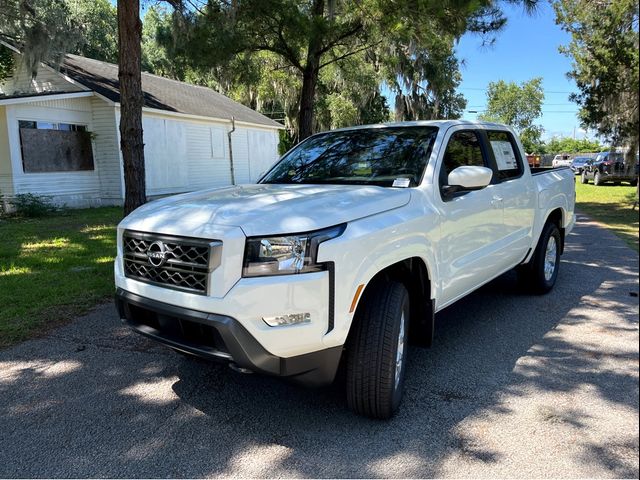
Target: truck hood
264 209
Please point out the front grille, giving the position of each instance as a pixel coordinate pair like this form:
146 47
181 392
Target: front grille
181 263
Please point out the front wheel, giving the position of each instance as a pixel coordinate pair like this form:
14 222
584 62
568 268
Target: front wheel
377 350
597 179
541 273
584 178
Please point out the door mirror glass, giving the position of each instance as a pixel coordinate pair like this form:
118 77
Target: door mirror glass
470 177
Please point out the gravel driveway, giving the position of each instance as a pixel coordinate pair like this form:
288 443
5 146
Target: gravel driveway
515 386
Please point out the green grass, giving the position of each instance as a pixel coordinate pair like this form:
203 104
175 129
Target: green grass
54 268
611 206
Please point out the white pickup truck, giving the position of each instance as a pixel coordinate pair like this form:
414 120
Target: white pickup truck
343 251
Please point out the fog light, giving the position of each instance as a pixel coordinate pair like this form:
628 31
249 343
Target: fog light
290 319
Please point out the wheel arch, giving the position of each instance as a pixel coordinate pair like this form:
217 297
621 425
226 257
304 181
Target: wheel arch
415 275
557 216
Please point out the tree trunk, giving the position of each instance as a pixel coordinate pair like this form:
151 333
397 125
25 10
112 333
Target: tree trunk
310 77
131 101
307 99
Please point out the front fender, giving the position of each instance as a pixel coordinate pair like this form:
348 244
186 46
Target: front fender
367 247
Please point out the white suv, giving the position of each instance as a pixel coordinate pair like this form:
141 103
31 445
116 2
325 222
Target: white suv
562 160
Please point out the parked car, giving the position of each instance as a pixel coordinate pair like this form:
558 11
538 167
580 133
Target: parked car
563 160
577 165
609 167
344 250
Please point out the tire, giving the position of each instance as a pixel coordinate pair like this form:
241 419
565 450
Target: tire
584 178
377 351
597 179
540 275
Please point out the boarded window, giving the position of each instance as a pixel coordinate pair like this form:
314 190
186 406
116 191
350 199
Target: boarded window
51 147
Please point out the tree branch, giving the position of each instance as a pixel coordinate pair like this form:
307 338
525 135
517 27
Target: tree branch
292 57
339 38
270 48
348 54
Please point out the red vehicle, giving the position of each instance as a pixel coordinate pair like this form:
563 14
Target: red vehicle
534 160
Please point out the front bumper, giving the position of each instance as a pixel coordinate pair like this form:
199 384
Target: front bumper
221 338
249 300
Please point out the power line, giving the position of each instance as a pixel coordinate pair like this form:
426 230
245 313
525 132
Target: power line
485 89
547 104
543 111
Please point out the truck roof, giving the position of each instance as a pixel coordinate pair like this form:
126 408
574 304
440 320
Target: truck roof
427 123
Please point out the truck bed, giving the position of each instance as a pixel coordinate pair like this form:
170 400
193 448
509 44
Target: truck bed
541 170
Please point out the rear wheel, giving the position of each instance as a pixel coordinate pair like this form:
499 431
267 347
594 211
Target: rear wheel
584 178
541 273
377 350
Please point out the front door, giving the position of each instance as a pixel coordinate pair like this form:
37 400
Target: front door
472 225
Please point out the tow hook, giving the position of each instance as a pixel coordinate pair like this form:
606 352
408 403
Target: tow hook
237 368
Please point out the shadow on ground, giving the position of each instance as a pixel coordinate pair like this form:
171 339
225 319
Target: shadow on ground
95 400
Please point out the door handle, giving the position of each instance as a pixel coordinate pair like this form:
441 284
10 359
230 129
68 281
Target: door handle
496 201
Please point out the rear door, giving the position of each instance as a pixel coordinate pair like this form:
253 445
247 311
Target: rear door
517 191
472 226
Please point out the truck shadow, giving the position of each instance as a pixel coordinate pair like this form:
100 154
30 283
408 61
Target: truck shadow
104 402
486 348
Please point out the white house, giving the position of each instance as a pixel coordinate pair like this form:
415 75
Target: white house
59 135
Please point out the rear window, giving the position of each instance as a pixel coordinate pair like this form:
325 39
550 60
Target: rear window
506 155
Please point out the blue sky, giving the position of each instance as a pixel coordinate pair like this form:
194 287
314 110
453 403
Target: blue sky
526 48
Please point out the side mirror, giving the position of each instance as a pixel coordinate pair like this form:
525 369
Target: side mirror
466 179
469 178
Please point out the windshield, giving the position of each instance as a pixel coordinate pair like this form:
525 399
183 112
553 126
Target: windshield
388 157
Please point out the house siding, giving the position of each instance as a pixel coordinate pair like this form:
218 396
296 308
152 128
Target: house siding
255 150
204 146
6 178
47 80
180 154
207 156
76 189
262 151
106 145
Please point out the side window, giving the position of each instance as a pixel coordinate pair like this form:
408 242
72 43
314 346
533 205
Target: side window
463 149
506 155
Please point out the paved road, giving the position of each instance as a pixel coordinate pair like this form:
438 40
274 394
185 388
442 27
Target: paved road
516 386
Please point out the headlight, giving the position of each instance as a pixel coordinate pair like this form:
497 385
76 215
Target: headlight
286 254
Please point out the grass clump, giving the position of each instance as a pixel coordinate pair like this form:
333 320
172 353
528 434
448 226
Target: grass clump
53 268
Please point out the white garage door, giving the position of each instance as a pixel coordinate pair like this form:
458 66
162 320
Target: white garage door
263 151
165 152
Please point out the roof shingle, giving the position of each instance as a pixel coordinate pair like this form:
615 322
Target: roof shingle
161 93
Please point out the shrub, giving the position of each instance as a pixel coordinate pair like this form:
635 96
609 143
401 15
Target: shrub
30 205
